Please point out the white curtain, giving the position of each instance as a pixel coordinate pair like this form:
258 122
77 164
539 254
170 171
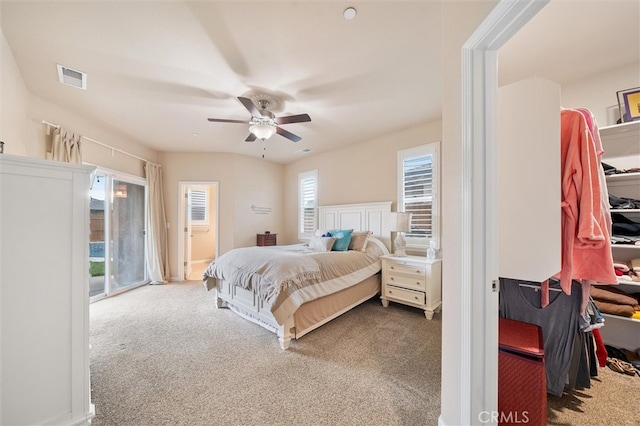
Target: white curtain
65 146
157 244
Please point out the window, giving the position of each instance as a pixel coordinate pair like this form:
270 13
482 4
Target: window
307 201
418 193
199 205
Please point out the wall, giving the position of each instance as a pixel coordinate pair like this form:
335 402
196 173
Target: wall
40 109
364 172
598 92
13 102
24 134
243 182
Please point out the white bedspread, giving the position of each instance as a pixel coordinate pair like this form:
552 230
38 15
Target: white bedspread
288 276
269 270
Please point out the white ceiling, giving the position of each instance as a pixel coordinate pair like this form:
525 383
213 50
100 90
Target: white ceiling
158 69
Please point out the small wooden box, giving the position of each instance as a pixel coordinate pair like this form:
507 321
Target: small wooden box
266 239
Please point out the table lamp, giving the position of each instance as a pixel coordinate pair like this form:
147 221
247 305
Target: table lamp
400 223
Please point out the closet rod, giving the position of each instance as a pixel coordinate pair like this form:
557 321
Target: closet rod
112 148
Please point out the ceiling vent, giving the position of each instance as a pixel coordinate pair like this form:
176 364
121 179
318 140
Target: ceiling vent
72 77
303 151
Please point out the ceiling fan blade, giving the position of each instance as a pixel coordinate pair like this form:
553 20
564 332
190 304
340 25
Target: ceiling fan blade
287 134
224 120
249 105
250 138
300 118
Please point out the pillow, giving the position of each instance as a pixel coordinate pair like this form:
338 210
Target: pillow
359 240
321 244
343 238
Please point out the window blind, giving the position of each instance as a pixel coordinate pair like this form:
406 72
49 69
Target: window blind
417 194
199 203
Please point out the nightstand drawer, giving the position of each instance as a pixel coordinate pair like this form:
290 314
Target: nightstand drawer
417 270
416 283
266 239
409 296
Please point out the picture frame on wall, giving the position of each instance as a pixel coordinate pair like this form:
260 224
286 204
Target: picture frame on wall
629 104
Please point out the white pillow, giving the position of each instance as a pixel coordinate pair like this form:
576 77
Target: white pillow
321 244
359 240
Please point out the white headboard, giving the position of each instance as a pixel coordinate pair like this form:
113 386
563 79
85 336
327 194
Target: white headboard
372 217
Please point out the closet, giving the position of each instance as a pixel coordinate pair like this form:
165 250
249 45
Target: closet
621 144
44 300
530 215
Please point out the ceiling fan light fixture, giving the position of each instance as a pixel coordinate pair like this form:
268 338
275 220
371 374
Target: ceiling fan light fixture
263 130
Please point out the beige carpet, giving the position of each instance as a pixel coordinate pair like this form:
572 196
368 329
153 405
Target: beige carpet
164 355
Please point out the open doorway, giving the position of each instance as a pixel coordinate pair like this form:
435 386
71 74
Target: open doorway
198 242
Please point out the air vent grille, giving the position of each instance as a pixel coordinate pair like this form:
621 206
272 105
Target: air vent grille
72 77
303 151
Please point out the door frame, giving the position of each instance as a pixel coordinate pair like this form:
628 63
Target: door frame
477 335
182 219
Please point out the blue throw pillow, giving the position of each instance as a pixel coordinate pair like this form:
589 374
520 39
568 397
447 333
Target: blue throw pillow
343 238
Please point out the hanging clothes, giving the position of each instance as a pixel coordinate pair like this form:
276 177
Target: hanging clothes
586 241
520 300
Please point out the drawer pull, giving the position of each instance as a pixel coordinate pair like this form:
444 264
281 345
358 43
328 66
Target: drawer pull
391 278
415 297
417 282
417 271
391 267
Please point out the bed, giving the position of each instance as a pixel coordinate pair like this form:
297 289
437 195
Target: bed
294 289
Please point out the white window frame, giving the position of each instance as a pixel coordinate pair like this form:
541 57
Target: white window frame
302 177
420 245
205 190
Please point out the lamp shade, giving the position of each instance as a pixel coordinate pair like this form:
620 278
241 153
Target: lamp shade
400 222
262 131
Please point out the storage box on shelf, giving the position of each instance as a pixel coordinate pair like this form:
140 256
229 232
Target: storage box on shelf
621 144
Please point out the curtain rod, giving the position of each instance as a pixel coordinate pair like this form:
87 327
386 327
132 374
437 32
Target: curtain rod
112 148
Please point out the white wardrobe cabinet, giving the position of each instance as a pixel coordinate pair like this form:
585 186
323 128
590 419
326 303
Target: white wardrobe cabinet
44 275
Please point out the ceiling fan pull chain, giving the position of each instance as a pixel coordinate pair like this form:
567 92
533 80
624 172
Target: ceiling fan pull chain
264 148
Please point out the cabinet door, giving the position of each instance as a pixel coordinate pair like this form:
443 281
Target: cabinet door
528 165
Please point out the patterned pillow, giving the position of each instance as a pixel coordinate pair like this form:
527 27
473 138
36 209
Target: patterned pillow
359 240
321 244
343 238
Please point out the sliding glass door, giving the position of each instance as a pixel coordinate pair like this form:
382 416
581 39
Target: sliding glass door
97 227
127 234
117 211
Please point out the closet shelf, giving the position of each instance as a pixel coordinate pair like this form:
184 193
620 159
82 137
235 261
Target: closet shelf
618 317
627 282
625 130
622 177
625 210
626 246
621 144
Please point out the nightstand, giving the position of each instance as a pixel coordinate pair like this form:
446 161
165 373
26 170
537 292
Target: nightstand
414 281
266 239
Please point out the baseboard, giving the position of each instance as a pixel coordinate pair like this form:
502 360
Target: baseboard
202 261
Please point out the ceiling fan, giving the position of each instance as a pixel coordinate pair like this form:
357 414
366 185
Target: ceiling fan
263 123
